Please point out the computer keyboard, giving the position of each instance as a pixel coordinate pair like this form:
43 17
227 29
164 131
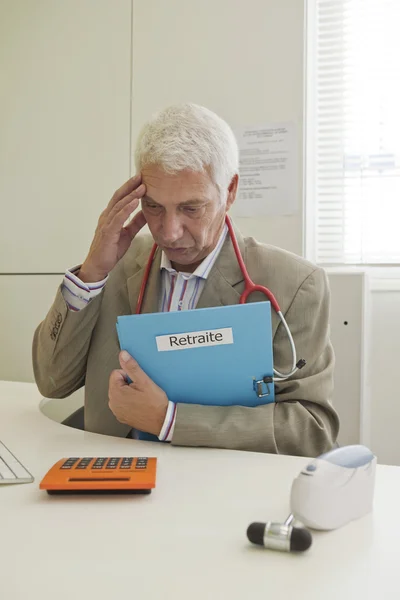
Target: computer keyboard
11 470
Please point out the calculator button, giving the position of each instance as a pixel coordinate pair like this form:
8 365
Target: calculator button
84 463
112 463
99 463
126 463
69 463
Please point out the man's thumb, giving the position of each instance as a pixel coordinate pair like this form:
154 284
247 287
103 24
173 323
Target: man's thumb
131 367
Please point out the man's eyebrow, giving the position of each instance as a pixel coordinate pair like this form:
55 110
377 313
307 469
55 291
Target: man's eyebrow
149 199
194 201
185 203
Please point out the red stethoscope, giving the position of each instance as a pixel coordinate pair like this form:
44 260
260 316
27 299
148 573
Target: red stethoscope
250 287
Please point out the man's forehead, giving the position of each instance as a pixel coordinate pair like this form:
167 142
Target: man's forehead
181 187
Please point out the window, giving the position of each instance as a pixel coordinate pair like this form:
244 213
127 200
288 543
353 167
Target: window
353 132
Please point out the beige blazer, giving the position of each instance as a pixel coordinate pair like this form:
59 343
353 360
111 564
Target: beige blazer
72 349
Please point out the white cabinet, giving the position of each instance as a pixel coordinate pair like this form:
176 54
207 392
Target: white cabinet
350 322
383 369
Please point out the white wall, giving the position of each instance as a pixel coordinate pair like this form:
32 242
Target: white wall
65 126
64 148
242 59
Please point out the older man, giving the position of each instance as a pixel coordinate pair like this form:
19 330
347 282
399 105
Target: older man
187 160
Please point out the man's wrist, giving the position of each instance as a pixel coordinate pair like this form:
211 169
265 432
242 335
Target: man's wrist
87 276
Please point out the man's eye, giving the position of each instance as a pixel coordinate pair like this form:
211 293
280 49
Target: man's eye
191 209
152 206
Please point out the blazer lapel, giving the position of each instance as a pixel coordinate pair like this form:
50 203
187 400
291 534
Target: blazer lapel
223 287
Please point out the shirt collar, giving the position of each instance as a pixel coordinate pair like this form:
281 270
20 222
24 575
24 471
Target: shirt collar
205 266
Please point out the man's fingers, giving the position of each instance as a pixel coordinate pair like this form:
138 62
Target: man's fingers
123 214
125 189
131 368
131 200
117 379
138 221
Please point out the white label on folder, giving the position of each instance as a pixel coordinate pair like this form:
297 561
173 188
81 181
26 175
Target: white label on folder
194 339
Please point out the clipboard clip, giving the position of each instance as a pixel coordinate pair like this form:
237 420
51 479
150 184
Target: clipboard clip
258 386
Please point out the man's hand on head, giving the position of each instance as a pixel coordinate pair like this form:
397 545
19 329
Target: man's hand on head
112 238
140 404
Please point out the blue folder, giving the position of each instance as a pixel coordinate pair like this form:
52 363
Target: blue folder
184 355
204 371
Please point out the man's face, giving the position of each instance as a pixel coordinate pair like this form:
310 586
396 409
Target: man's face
185 214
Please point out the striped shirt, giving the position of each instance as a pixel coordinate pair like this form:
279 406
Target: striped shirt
179 291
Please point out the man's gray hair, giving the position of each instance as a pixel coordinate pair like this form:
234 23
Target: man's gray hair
189 136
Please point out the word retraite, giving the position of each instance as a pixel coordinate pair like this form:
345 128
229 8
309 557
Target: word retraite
190 340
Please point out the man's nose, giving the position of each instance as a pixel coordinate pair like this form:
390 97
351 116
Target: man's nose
172 229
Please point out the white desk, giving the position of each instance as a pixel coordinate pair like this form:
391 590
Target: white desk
187 539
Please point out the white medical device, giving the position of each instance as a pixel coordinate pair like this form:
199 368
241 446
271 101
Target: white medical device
334 488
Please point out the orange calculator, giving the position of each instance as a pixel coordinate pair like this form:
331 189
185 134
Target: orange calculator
103 475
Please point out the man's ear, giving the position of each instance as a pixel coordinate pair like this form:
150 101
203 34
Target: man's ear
232 190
